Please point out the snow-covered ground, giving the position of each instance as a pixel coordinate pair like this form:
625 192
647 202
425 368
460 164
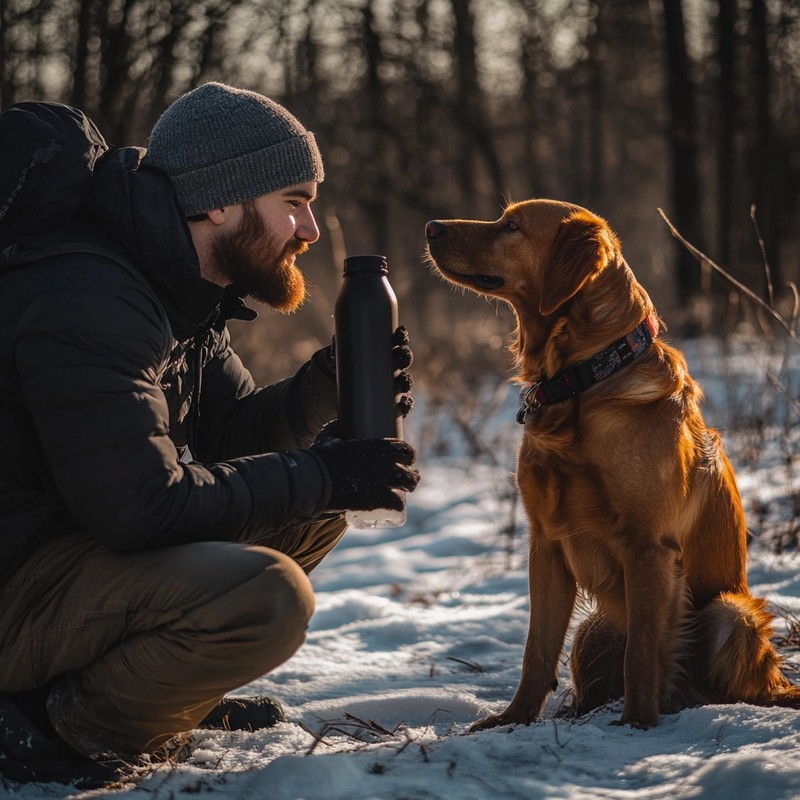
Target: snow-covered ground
419 632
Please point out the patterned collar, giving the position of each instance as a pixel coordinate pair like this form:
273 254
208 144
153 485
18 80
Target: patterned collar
581 376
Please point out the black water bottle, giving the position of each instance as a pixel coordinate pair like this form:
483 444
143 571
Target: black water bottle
366 318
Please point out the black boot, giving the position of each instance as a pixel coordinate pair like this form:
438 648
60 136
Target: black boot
29 754
244 714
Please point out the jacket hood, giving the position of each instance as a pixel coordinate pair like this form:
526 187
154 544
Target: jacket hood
49 154
136 205
61 184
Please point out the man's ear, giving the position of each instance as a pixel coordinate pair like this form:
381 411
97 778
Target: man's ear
216 215
582 248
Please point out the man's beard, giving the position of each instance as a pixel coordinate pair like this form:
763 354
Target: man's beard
256 263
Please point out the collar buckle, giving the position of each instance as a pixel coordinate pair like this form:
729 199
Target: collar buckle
529 402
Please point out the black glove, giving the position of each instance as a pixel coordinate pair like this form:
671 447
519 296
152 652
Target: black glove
401 361
364 472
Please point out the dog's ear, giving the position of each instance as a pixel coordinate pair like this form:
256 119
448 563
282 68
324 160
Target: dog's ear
582 248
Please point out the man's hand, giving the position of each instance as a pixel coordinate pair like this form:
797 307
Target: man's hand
401 361
365 472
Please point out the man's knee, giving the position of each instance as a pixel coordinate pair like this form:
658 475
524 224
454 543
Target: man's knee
288 592
266 613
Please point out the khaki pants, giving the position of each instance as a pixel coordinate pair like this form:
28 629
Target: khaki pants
137 647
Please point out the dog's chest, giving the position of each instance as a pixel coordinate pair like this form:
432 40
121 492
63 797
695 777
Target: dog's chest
549 434
561 495
569 502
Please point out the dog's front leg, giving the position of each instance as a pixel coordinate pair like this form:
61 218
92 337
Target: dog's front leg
552 593
651 594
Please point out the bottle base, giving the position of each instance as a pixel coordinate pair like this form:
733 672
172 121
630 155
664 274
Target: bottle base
377 518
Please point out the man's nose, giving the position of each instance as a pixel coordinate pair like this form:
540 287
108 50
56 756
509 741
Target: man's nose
307 229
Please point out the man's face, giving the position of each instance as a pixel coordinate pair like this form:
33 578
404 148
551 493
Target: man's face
258 255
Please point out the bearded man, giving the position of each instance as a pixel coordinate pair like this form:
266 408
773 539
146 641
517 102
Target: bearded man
159 513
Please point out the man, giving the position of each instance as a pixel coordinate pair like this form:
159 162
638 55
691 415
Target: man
158 513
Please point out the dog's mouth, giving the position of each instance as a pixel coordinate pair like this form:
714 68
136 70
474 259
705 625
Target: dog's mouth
485 283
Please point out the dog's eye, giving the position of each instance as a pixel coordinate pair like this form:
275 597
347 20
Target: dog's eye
512 226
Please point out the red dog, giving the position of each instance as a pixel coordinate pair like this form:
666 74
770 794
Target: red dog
629 495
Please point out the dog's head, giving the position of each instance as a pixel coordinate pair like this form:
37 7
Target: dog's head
539 253
557 265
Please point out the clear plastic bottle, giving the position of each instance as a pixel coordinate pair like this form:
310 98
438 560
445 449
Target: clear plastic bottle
366 318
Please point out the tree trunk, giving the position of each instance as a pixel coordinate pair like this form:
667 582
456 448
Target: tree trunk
5 83
80 69
761 160
530 49
685 211
377 112
476 137
726 49
595 84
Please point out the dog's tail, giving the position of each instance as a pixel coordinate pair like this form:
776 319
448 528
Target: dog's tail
743 666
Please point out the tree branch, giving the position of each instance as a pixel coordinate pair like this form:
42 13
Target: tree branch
749 293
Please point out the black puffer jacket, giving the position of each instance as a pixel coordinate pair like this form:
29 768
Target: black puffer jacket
114 357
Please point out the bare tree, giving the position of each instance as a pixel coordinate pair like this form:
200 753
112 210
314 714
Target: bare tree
477 144
378 184
80 66
682 133
5 86
533 60
761 158
595 67
727 116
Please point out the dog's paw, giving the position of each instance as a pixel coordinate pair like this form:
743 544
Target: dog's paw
507 717
639 724
493 721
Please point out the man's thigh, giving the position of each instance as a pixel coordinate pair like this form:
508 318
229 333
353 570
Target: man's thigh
307 543
73 600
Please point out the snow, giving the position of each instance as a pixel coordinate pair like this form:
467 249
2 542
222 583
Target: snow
419 631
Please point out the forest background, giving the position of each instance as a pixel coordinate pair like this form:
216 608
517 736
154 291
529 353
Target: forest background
450 108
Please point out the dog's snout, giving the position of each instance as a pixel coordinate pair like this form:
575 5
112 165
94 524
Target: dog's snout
434 229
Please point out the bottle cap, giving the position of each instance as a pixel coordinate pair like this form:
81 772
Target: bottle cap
376 265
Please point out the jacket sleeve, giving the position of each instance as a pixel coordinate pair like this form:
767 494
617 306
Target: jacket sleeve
237 419
88 368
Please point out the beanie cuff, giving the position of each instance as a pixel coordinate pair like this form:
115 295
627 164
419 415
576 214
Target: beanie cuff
250 175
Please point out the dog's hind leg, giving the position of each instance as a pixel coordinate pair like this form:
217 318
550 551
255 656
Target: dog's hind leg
597 662
741 664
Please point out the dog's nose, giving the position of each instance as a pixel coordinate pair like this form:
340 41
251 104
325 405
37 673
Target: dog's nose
434 228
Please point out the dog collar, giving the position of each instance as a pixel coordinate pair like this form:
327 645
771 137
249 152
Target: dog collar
581 376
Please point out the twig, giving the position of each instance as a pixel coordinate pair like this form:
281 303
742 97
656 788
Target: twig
749 293
762 246
779 387
471 664
409 740
315 736
372 725
555 733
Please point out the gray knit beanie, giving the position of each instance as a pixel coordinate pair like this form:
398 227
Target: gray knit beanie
222 146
